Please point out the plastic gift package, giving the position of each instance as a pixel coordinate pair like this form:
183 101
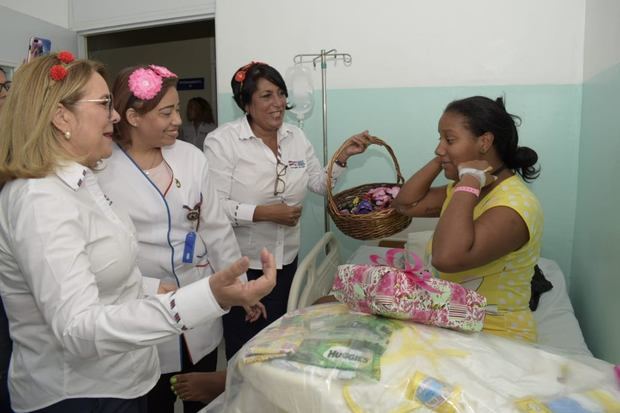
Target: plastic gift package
408 293
326 358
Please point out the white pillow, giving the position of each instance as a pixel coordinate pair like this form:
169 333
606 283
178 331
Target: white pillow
558 329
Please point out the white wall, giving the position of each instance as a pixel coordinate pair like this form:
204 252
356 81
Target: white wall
602 36
111 15
403 43
16 29
595 283
51 11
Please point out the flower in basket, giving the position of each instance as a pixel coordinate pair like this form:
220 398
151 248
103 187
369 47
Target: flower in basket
393 191
364 207
382 196
379 196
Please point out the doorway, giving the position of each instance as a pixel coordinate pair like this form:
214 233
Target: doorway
188 49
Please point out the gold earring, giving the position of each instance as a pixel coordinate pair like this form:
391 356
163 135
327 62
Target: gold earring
67 135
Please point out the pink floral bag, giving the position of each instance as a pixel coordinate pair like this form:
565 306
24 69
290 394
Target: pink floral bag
408 294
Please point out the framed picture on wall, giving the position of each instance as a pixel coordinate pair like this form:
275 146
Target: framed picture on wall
38 46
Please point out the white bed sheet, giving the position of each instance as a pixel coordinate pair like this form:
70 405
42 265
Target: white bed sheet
485 373
558 329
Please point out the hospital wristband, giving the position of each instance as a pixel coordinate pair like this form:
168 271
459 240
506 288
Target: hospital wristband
469 189
479 174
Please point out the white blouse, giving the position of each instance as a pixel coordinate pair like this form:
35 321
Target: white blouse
80 322
162 224
244 172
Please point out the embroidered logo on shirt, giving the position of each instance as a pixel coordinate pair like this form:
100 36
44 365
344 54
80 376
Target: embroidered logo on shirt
81 180
107 198
193 214
297 164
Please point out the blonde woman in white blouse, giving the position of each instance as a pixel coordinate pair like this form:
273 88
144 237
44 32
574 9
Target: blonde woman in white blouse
84 331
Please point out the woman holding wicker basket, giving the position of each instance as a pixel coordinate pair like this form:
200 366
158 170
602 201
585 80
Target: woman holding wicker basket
490 223
262 169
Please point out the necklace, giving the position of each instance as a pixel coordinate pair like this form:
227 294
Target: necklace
499 170
154 162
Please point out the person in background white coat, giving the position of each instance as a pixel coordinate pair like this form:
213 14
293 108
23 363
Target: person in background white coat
84 329
200 122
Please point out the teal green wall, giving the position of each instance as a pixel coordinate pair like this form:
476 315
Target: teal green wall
595 282
406 118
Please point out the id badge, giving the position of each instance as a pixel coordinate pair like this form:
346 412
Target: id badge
188 250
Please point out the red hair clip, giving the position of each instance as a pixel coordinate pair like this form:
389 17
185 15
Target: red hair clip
240 75
65 57
59 72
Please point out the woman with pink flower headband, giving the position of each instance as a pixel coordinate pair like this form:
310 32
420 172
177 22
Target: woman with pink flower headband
83 319
182 231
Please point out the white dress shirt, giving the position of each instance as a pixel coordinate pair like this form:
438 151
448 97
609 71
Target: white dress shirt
244 171
80 322
162 225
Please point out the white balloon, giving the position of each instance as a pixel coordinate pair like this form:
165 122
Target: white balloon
300 91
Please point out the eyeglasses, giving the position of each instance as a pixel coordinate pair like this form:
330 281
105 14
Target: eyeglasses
6 86
109 101
280 184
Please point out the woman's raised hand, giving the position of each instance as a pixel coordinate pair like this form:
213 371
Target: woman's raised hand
254 312
229 291
480 169
356 144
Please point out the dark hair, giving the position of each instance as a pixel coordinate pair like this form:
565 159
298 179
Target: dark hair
205 113
2 70
486 115
243 82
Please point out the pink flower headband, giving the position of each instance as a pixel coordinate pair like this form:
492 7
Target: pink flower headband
145 83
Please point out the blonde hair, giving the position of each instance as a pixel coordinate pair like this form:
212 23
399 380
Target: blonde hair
29 142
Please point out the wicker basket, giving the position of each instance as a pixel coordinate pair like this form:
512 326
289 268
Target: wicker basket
375 224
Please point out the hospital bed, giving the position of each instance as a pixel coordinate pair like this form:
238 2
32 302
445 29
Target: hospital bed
487 373
558 328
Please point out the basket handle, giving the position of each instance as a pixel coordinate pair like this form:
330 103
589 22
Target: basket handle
373 140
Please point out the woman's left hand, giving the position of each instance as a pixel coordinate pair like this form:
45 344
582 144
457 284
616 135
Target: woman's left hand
484 169
356 144
252 313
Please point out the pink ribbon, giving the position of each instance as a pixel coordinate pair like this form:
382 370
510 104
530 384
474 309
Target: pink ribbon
416 273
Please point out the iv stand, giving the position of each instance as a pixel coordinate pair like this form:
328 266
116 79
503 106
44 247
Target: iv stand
323 57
